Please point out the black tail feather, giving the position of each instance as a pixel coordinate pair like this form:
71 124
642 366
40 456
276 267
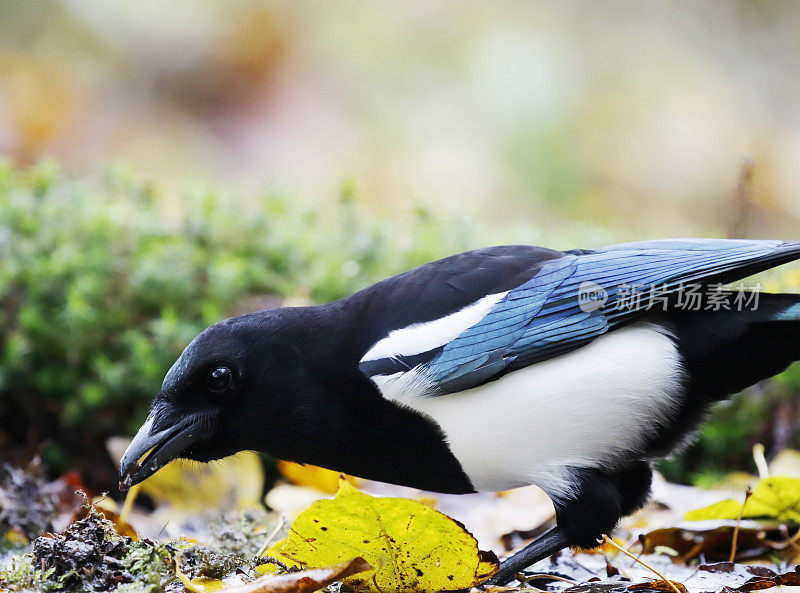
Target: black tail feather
727 350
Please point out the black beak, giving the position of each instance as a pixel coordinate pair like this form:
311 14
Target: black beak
150 451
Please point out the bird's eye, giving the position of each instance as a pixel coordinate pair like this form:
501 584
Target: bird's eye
219 379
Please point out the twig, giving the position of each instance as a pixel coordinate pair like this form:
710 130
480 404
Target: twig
527 578
693 551
641 540
272 536
761 461
747 493
607 540
162 530
267 560
788 541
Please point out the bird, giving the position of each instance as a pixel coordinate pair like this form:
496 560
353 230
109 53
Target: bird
489 370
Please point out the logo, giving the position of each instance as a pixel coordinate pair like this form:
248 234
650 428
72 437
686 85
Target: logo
591 296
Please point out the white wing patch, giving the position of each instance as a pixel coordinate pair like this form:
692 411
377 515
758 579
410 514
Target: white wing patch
405 386
421 337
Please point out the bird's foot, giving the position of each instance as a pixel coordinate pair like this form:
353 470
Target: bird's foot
543 547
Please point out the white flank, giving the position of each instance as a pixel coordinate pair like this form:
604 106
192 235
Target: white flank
589 408
422 337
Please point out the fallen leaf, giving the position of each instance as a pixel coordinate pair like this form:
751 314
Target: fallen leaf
713 539
201 584
313 476
294 582
719 511
767 579
234 483
658 585
718 567
775 498
304 581
758 584
611 570
414 547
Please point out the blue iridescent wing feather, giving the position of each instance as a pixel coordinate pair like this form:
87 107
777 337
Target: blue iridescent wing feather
545 316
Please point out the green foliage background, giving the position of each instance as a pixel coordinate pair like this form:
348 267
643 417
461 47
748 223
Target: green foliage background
103 281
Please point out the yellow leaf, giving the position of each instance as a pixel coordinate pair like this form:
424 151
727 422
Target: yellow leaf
199 585
723 510
414 547
777 498
605 547
14 537
235 482
312 476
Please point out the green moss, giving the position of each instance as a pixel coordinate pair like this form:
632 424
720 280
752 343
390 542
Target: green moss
150 564
20 575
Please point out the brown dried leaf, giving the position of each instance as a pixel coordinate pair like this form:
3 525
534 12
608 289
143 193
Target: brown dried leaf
304 581
658 585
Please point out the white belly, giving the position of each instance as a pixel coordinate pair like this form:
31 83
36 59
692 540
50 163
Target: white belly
588 408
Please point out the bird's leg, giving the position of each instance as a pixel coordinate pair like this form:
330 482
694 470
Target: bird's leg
542 547
598 500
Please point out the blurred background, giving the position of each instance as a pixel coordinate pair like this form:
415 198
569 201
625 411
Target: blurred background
167 164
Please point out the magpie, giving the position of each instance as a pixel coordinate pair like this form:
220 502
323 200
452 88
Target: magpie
488 370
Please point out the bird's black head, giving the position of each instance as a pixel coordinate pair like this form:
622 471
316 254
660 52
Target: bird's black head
241 384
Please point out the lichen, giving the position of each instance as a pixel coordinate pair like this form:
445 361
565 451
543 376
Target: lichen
232 543
91 556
